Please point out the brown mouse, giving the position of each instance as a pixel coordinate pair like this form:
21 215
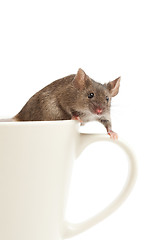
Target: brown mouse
77 97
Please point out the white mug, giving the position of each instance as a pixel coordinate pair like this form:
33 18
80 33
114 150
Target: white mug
36 160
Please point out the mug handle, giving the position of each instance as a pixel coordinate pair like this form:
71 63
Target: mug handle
71 229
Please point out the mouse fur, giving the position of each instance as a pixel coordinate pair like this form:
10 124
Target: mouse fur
76 96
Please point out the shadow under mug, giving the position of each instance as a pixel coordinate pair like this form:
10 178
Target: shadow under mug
36 160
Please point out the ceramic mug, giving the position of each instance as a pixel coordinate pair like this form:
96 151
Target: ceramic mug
36 160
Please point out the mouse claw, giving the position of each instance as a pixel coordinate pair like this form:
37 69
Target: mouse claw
77 118
113 135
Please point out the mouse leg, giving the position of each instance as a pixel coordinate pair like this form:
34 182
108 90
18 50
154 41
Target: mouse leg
107 125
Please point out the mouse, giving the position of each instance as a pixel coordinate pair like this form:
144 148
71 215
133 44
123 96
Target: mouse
74 97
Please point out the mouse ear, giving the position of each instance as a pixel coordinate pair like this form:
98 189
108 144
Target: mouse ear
113 86
80 79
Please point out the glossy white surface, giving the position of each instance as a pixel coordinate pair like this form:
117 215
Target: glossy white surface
36 160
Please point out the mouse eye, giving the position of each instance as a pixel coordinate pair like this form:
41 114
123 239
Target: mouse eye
91 95
107 98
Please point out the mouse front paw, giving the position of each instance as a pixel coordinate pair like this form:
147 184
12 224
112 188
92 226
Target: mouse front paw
77 118
113 135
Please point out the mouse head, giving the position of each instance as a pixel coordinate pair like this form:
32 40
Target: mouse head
92 96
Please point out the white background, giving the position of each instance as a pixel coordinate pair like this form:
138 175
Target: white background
41 41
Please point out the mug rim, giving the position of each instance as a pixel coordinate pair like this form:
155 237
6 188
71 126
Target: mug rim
41 123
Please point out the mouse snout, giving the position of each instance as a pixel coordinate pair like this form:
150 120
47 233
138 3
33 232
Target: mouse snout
98 111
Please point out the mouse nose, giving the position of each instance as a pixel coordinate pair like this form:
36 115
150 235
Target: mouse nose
98 111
